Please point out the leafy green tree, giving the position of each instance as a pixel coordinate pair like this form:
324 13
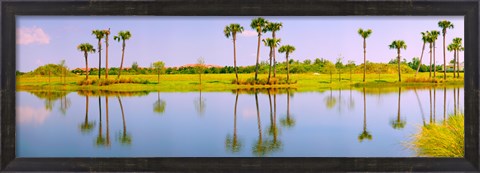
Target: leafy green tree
350 65
122 35
259 25
329 68
160 68
445 24
86 48
200 68
398 44
339 66
287 49
232 30
99 34
364 34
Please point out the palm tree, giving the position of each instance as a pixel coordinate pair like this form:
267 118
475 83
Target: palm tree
125 138
365 34
86 48
445 24
99 34
259 25
288 49
459 47
107 33
425 40
232 30
272 43
274 27
398 44
452 47
122 35
434 35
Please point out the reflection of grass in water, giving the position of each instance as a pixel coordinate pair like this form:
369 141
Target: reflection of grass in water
444 139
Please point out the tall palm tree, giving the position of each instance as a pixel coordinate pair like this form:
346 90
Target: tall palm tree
430 43
122 35
459 48
259 25
232 30
288 49
445 24
274 27
107 33
86 48
365 34
99 34
398 44
272 43
425 40
434 35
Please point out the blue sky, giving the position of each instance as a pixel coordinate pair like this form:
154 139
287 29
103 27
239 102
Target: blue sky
182 40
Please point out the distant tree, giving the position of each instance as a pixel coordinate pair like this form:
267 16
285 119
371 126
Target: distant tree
350 65
134 66
200 68
329 68
339 66
160 68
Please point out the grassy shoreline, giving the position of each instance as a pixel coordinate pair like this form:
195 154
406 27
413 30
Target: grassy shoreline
223 82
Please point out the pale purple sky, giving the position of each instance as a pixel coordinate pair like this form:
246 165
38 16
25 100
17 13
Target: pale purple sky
182 40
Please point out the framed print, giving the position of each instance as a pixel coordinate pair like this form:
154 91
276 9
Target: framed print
197 86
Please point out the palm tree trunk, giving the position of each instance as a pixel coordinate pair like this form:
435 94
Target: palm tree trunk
421 57
399 72
434 59
99 57
458 64
270 68
288 69
86 64
454 62
274 63
106 54
121 64
430 67
444 58
235 57
258 57
364 58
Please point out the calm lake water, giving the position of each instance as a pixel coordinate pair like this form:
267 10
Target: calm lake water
332 123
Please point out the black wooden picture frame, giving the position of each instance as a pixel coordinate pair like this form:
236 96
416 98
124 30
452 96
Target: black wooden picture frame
467 8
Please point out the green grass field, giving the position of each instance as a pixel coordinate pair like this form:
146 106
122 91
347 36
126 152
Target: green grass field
222 82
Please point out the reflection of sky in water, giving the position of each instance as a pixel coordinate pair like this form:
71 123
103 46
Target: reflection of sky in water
321 129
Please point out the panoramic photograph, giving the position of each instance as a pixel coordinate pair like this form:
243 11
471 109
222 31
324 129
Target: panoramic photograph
246 86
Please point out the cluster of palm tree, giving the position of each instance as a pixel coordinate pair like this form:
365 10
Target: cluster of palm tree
427 36
260 25
456 47
104 34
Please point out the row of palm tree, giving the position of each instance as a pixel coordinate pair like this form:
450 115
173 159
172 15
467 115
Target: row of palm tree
456 47
104 34
260 25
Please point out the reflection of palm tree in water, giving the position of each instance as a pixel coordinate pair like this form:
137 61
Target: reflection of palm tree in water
100 139
124 138
232 143
259 148
434 103
365 134
64 103
444 103
275 144
398 123
86 126
421 107
288 121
